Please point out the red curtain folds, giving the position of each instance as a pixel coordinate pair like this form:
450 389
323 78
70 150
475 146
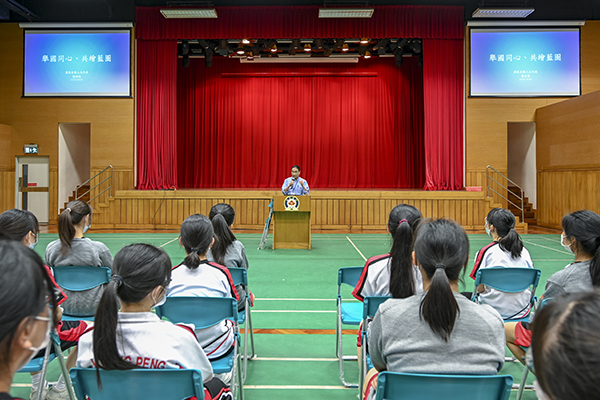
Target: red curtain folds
443 101
237 128
156 114
441 22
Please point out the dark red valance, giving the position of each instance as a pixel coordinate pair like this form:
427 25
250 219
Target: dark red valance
427 22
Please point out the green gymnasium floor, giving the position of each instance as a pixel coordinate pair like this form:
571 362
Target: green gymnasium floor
296 289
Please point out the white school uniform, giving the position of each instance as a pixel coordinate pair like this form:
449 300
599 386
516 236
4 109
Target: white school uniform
208 280
145 340
509 305
375 278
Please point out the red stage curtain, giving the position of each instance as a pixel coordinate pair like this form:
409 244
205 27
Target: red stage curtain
344 129
442 22
444 98
156 114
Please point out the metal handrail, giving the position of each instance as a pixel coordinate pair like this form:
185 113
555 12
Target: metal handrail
518 196
98 184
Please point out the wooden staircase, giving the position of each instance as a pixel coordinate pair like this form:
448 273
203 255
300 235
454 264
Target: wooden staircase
530 212
80 192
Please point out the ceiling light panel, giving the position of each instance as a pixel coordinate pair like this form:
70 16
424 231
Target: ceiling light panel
346 12
189 13
489 12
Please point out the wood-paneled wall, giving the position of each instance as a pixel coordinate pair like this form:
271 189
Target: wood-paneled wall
330 209
568 158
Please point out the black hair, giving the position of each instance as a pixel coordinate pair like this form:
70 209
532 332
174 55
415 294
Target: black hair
222 216
442 251
504 221
403 221
196 236
565 345
137 270
15 224
296 166
25 289
72 215
584 226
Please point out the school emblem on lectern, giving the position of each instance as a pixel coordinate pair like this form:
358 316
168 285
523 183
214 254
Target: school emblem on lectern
291 203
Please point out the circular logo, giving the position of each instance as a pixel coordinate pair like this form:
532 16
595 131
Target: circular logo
291 203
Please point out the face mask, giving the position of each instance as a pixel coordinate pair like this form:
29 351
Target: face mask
85 228
161 301
35 349
487 231
32 245
566 246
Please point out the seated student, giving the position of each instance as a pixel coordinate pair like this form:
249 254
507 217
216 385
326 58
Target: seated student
394 274
565 348
438 331
134 336
25 300
23 227
74 249
197 276
227 250
581 236
506 250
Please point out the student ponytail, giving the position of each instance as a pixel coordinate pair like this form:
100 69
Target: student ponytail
402 223
71 216
584 227
442 251
137 270
196 236
504 221
222 216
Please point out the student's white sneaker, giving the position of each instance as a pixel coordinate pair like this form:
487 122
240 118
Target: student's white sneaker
34 393
56 394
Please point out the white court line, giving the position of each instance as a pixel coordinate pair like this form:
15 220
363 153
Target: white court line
170 241
546 247
272 299
292 359
27 385
294 387
295 311
361 254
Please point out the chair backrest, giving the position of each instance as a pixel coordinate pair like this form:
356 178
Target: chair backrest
508 279
349 275
79 278
401 386
371 305
239 276
203 312
147 384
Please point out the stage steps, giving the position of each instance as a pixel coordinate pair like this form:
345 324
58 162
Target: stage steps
80 192
530 212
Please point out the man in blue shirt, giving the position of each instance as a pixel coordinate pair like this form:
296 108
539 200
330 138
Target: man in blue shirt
295 185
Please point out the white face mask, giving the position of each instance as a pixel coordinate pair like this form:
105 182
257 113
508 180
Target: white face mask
32 245
566 246
35 349
85 228
487 230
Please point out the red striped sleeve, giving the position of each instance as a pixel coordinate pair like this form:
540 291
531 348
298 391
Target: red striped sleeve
363 276
187 328
480 257
61 296
224 270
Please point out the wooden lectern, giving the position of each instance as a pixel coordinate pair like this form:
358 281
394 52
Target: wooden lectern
291 216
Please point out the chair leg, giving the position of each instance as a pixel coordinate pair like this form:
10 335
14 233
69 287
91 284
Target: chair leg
338 322
251 331
44 370
65 372
341 356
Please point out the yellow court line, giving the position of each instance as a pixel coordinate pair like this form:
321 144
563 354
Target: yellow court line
361 254
170 241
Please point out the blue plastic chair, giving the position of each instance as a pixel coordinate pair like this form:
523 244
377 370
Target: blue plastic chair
148 384
510 280
240 277
347 314
205 312
40 364
369 309
80 278
401 386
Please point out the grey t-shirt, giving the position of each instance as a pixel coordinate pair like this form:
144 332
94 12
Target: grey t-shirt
574 278
83 252
400 340
235 257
